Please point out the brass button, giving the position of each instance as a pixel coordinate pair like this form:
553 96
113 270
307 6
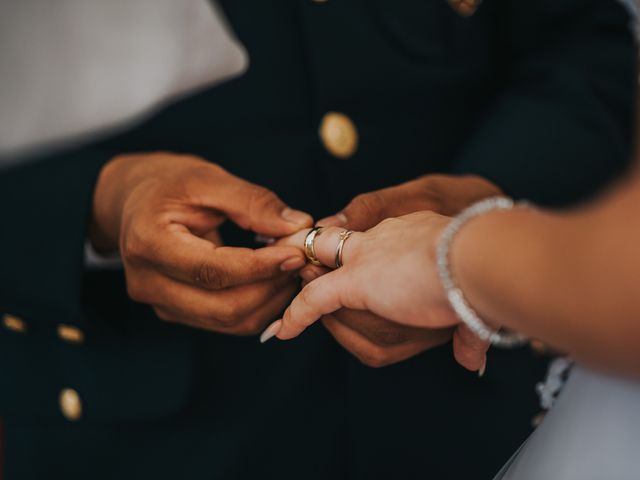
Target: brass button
13 323
70 404
466 8
338 134
70 334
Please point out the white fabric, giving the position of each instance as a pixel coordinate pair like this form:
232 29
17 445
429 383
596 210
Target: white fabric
72 68
591 433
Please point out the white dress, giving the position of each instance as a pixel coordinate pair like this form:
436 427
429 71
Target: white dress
591 433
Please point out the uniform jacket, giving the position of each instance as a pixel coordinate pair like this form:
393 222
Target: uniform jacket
536 96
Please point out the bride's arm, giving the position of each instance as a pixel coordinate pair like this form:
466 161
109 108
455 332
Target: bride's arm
570 279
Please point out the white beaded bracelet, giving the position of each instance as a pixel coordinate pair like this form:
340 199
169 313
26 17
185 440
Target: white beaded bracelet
456 299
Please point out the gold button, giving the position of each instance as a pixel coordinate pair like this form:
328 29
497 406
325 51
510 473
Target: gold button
466 8
13 323
338 134
70 334
70 404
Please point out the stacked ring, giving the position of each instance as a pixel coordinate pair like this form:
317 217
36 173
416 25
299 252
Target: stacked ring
344 235
309 245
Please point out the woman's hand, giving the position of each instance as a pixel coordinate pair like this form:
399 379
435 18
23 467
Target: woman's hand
390 270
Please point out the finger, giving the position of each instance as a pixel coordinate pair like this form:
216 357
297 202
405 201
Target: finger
251 324
325 243
250 206
384 333
294 240
225 308
193 260
368 209
311 272
468 349
369 352
320 297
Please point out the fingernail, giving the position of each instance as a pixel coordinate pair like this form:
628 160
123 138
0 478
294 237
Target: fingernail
271 331
264 239
297 217
293 263
337 220
482 369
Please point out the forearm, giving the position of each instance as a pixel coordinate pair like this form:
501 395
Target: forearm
569 279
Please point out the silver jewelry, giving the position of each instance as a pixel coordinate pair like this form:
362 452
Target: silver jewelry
344 235
455 296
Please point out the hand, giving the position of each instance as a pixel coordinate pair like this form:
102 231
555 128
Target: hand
163 210
389 271
372 339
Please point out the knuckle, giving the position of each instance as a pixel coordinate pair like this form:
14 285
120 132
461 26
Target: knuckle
228 314
306 294
133 247
211 277
375 357
261 198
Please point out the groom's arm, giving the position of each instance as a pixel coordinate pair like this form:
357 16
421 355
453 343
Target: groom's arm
562 125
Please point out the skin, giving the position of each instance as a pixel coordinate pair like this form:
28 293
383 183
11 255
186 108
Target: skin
570 278
163 210
379 276
373 339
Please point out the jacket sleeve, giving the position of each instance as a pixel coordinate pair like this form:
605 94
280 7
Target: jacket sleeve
564 116
44 210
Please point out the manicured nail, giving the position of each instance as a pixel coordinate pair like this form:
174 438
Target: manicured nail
337 220
482 369
293 263
271 331
297 217
264 239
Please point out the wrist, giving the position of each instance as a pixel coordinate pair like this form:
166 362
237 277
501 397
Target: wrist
501 259
115 182
450 277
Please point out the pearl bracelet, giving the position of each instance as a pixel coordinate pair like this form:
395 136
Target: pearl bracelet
455 296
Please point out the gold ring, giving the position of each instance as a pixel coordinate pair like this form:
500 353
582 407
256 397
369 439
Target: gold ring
310 247
344 235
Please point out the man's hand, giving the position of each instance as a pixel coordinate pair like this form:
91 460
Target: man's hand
372 339
162 211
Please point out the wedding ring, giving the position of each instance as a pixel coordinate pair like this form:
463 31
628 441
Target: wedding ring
310 247
344 235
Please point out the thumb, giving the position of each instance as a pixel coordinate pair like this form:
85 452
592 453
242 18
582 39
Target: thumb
258 209
363 212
